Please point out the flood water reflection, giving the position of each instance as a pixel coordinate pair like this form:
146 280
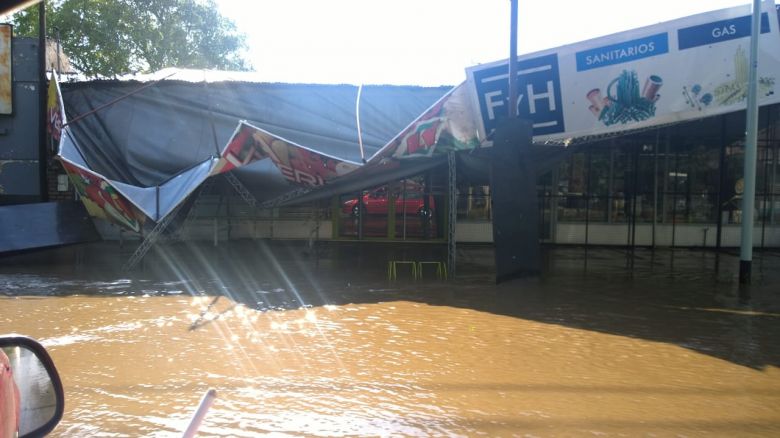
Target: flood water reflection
320 343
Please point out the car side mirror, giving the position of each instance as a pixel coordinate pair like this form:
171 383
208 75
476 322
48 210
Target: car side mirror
37 402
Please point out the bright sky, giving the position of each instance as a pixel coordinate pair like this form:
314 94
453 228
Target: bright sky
424 42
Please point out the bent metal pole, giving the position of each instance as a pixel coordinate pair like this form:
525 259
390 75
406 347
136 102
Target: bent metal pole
751 136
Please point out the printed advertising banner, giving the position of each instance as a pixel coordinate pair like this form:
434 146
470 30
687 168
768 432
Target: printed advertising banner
680 70
446 126
55 114
6 70
297 164
102 200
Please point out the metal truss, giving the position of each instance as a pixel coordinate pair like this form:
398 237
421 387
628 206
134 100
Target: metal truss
150 239
159 229
248 197
453 211
205 189
279 200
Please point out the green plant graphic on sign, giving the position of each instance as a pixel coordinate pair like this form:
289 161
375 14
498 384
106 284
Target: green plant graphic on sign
625 102
736 90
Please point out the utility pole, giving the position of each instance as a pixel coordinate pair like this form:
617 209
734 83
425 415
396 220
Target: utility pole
513 60
751 140
43 156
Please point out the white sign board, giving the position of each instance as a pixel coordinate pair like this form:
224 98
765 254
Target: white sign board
680 70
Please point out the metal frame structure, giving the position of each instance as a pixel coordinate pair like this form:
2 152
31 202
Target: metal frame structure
452 200
158 230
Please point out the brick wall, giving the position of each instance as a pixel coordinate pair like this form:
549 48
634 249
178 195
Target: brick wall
54 171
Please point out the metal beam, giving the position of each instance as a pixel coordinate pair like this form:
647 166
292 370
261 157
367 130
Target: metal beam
751 139
43 143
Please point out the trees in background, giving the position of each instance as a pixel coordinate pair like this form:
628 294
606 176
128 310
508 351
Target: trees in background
106 38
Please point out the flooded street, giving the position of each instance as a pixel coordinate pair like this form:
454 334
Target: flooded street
297 343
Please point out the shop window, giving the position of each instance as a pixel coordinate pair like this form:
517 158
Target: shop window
416 209
406 208
474 204
364 214
572 208
572 202
733 186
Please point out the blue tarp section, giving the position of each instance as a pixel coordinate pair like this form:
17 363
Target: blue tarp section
175 190
156 202
44 224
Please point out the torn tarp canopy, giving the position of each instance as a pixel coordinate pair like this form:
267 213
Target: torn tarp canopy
147 137
155 202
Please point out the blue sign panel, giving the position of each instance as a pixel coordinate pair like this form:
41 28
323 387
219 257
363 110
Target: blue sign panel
718 31
646 47
539 94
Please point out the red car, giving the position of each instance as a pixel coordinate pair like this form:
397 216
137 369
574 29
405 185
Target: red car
375 202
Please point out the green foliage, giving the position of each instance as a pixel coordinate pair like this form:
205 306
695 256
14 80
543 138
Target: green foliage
105 38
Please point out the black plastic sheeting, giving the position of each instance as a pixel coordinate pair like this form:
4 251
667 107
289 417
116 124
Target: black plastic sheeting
169 126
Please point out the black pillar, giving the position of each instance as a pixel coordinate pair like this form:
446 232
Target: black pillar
515 205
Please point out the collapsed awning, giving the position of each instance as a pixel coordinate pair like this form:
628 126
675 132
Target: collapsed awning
119 144
173 123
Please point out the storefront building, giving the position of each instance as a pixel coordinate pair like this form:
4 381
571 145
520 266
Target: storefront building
674 186
645 128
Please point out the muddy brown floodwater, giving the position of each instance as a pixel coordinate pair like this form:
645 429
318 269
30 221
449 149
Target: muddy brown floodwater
320 344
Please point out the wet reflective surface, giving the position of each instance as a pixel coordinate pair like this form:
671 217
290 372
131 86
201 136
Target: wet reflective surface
38 393
304 342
